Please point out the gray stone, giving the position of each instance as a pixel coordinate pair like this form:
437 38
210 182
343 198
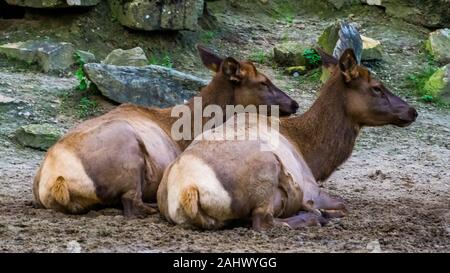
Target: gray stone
339 4
157 14
330 36
6 100
150 85
372 49
438 45
429 13
53 3
7 104
39 136
131 57
49 56
438 85
290 53
86 56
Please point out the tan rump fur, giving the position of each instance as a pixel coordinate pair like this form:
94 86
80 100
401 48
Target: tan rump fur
189 201
60 191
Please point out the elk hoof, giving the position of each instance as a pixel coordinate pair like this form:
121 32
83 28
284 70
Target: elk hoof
330 214
305 219
136 208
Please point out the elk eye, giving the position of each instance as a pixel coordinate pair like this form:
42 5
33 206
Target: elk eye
377 90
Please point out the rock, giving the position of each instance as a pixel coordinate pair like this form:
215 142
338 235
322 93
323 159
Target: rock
290 54
6 100
339 4
131 57
372 49
369 49
374 247
296 70
429 13
373 2
158 15
50 56
150 85
53 3
328 39
438 44
438 85
7 103
86 57
39 136
73 247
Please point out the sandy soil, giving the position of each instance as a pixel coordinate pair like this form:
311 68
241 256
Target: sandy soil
396 183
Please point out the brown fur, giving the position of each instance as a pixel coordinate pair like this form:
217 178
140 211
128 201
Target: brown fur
123 154
60 191
325 135
281 182
189 201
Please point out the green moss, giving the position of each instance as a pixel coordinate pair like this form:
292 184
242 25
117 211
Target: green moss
428 46
430 86
208 36
161 59
87 107
39 136
312 76
258 56
435 83
329 38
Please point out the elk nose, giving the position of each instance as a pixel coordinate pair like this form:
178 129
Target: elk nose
294 106
413 113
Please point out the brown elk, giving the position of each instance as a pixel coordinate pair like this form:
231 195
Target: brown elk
213 182
120 157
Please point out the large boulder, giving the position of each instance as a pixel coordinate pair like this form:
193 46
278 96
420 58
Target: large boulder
49 56
438 45
430 13
131 57
290 53
158 14
438 85
53 3
39 136
330 36
371 48
149 86
86 56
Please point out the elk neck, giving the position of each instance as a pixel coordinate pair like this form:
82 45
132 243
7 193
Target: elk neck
219 91
324 134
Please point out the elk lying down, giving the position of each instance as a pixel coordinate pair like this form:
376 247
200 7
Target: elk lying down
119 158
216 181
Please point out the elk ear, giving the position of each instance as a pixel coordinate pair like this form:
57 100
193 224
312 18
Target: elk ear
209 59
328 61
232 69
349 65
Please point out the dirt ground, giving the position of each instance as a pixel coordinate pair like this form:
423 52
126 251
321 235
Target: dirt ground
396 184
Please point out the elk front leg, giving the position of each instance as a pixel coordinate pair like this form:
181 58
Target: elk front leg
262 218
133 206
331 207
304 219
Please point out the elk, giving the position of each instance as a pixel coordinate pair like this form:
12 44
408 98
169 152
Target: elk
119 157
215 182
